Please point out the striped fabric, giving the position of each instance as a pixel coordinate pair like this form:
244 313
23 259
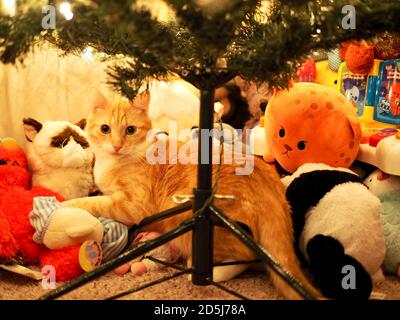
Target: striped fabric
115 236
40 217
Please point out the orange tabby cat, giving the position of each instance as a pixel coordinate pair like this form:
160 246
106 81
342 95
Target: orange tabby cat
134 189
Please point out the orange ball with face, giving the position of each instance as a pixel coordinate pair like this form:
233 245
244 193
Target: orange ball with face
313 123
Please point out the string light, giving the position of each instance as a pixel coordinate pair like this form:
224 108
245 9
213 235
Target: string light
87 54
10 7
65 9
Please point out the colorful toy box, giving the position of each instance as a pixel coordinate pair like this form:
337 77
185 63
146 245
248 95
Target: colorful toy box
376 95
377 98
387 99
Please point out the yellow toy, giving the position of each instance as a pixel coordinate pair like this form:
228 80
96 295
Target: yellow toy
325 75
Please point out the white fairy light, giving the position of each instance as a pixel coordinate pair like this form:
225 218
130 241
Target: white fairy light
10 7
87 54
65 9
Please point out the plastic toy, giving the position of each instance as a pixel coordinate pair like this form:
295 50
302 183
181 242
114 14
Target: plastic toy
325 75
387 93
381 149
307 71
376 94
360 89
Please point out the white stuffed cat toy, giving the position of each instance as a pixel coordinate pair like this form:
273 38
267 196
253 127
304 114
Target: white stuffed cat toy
59 157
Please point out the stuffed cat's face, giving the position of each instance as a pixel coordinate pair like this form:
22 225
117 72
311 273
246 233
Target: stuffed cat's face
311 123
119 128
57 144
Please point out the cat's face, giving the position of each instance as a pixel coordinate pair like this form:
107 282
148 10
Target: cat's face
119 128
57 144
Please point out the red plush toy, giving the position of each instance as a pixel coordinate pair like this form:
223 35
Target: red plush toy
359 56
16 231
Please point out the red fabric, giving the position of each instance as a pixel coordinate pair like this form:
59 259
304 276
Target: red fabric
360 58
14 173
64 261
16 232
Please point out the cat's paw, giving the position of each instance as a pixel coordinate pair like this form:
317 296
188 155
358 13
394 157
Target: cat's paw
70 204
123 269
138 268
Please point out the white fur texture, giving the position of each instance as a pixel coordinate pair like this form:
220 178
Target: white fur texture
66 170
351 214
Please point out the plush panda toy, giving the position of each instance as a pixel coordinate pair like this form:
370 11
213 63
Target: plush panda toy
338 229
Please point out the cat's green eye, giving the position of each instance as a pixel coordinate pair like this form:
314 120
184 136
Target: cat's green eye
130 130
105 129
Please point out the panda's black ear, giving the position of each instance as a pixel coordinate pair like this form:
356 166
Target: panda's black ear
81 124
31 128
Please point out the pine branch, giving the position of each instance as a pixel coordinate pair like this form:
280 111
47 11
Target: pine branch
270 52
18 34
204 47
212 31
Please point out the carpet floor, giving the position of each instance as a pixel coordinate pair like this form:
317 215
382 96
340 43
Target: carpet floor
252 284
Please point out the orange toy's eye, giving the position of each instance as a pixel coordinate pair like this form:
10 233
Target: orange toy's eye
301 145
282 132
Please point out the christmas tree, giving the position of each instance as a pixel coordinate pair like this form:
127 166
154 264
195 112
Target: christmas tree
205 42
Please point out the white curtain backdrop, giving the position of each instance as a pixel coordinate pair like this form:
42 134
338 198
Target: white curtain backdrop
47 87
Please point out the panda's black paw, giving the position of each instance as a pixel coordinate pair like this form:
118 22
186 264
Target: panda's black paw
338 275
324 250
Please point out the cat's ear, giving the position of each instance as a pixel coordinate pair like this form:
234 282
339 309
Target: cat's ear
31 128
142 100
81 124
99 101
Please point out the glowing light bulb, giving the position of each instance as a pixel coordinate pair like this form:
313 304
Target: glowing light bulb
9 6
65 9
87 54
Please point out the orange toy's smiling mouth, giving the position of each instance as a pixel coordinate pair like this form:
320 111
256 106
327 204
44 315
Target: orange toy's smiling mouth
288 148
286 153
